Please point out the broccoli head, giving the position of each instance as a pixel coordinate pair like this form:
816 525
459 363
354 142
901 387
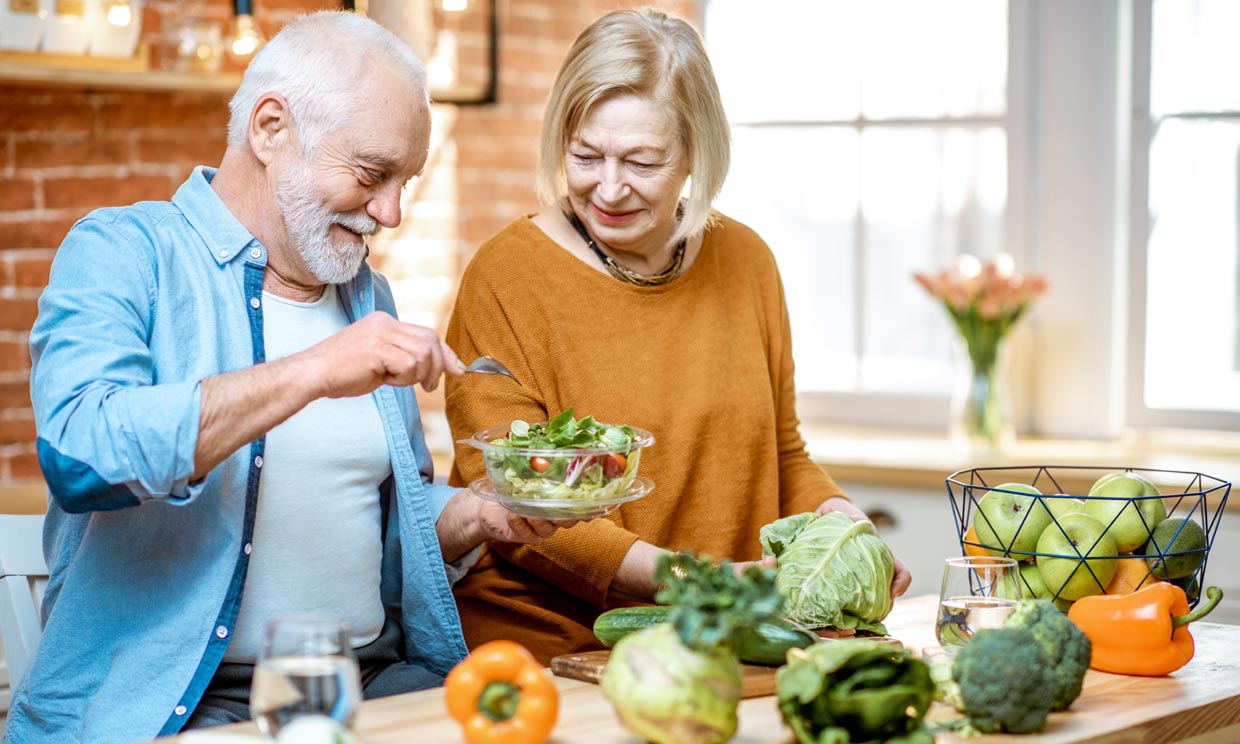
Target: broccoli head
1066 647
1005 681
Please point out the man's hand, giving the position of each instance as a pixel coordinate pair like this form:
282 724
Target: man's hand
902 578
378 350
239 407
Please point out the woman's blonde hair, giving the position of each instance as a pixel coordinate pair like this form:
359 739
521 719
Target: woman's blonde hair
647 53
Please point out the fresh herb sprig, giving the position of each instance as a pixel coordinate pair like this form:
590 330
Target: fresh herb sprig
564 432
710 603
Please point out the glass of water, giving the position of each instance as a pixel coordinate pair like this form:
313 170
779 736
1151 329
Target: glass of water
978 592
306 666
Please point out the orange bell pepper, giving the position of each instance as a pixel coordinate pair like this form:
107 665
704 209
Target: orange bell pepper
1144 633
500 695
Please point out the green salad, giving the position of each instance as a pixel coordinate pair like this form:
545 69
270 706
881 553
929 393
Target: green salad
515 469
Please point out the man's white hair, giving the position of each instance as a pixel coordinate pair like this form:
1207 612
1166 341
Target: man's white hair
317 63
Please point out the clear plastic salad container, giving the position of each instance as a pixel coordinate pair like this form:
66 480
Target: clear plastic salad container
563 459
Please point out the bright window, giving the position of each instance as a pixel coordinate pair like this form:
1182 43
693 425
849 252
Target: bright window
1191 354
869 142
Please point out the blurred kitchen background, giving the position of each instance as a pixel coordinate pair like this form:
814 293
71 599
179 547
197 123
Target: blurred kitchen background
1096 143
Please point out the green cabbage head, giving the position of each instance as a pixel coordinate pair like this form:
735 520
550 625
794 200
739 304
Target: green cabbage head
832 570
667 693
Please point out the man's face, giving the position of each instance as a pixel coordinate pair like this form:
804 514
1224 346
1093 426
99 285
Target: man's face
332 243
337 195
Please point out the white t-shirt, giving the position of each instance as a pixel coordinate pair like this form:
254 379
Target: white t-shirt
317 543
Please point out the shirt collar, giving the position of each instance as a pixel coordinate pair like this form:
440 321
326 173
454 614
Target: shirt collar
222 233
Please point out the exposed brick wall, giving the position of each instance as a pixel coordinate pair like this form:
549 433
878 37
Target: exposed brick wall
64 152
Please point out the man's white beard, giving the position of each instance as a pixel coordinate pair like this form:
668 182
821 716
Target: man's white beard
308 221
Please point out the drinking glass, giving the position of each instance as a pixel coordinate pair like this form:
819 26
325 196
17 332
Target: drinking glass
978 592
306 666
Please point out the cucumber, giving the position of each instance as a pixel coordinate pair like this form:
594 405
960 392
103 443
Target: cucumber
613 625
766 643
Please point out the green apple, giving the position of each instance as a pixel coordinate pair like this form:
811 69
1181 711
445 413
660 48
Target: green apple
1009 520
1061 505
1032 584
1129 507
1076 557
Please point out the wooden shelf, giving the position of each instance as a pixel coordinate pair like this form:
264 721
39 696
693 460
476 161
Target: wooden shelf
98 73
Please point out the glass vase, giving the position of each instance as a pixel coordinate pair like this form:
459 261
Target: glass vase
981 417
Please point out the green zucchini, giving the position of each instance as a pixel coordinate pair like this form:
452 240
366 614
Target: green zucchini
765 643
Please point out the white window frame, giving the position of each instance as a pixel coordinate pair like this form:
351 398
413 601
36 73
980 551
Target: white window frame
930 411
1140 415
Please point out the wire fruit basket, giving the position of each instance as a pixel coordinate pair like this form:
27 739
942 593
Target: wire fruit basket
1070 546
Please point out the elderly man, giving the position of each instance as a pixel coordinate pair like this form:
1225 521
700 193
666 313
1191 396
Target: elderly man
225 416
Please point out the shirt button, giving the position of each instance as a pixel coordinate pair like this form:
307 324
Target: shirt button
254 302
248 548
223 254
179 710
258 461
221 632
255 253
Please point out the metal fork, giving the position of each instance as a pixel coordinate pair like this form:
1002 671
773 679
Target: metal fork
490 366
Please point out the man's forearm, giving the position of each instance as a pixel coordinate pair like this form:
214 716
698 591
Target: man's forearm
239 407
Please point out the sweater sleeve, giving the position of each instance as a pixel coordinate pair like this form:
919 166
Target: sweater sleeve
803 484
583 560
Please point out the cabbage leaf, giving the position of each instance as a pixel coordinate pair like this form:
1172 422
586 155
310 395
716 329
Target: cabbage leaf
832 570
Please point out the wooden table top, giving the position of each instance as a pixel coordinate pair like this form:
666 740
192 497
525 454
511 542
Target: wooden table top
1199 704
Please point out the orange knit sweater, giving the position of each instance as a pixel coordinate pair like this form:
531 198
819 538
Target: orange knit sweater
704 362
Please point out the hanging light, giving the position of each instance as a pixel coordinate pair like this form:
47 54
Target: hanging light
119 13
245 38
455 6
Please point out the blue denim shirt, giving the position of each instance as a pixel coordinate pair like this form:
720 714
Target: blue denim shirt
147 568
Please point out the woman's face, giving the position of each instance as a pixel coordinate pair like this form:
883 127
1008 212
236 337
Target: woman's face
626 170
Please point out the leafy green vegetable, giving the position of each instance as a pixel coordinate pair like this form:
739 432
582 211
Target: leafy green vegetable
855 692
1005 681
565 432
1066 646
833 570
711 605
679 682
564 459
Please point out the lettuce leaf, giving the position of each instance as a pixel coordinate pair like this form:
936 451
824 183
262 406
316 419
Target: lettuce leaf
832 570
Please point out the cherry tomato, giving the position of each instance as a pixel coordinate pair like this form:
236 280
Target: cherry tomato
614 465
539 464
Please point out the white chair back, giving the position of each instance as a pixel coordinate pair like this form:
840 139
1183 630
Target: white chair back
23 576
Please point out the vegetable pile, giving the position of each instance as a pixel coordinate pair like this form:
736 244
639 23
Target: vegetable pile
856 692
526 463
679 682
834 571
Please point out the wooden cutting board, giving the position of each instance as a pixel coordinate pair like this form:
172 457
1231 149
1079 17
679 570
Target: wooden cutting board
756 680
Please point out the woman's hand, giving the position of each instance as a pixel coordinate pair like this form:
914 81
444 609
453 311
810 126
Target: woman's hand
901 577
501 525
467 521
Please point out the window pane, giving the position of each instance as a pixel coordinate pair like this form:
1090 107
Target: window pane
932 59
772 69
1192 310
832 60
1195 55
928 195
797 187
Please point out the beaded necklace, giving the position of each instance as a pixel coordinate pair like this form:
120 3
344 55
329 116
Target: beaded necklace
623 273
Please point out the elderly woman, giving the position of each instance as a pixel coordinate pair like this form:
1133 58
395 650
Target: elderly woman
626 302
